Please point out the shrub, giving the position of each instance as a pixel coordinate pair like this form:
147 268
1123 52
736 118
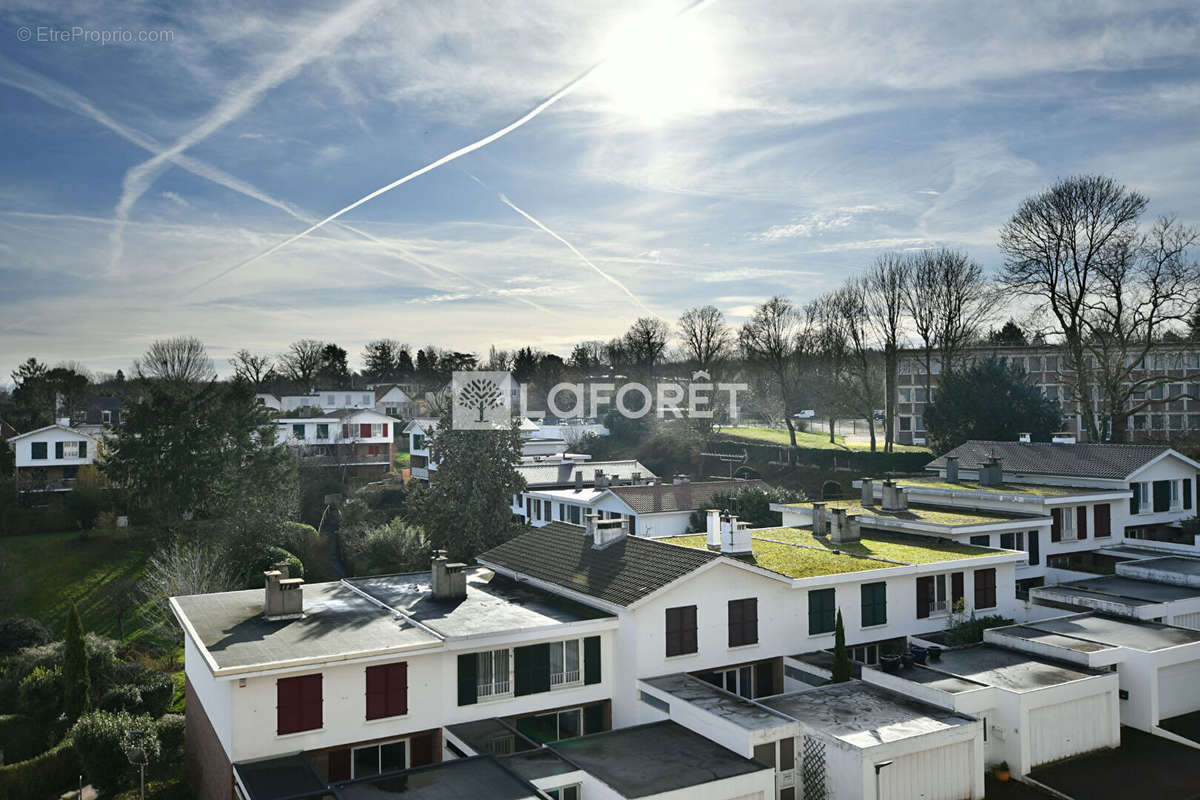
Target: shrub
44 776
157 689
76 680
171 731
969 629
126 697
17 633
100 738
23 737
267 560
751 504
393 547
40 694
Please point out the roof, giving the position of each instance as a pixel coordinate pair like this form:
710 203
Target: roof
799 553
1114 589
491 735
928 515
1032 489
45 428
864 715
689 496
347 413
480 776
621 573
562 473
718 702
494 604
647 760
1090 632
423 423
1113 461
989 665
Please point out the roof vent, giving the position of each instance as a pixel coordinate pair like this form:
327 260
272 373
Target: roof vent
448 581
283 597
1063 437
952 468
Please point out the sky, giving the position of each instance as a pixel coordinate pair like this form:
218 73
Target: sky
150 153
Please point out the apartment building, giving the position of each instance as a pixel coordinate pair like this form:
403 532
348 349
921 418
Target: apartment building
1170 415
535 447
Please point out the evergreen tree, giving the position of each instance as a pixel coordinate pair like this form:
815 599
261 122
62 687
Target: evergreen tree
841 656
77 685
404 364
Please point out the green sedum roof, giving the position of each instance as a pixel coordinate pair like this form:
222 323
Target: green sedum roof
946 517
1032 489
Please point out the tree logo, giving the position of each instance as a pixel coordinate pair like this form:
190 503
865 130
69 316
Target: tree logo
482 400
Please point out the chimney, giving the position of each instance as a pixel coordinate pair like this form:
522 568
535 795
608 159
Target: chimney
713 529
609 531
601 479
991 473
837 521
818 519
1063 437
579 480
952 468
737 540
894 497
868 492
590 521
680 480
448 581
849 529
1024 438
283 597
64 421
635 478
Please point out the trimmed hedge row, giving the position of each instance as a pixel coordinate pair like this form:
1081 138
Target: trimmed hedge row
861 461
45 776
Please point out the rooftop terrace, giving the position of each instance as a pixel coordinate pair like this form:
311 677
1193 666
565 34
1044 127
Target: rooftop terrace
798 553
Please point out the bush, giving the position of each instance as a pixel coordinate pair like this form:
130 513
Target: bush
125 697
47 775
171 731
17 633
750 504
969 630
40 693
138 690
101 654
267 561
23 737
100 738
157 689
393 547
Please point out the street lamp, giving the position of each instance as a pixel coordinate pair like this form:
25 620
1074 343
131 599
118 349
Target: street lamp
136 753
878 769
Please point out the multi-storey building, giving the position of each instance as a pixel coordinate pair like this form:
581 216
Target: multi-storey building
358 440
1170 415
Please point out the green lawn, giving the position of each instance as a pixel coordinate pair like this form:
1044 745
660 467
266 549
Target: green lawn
816 441
52 569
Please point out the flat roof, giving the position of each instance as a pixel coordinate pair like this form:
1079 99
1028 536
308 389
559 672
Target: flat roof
651 759
478 776
864 715
494 604
1031 489
799 553
927 515
338 622
538 763
1180 565
490 736
1118 589
1109 631
278 778
988 665
718 702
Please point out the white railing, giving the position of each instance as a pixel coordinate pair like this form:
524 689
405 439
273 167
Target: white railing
564 678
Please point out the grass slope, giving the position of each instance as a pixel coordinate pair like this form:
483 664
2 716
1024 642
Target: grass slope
815 441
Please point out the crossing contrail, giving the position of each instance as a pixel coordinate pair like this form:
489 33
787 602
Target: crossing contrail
567 89
575 250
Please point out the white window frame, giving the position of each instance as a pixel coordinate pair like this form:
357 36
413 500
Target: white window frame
940 606
1145 504
497 687
865 654
366 398
379 756
565 678
557 793
70 450
1176 495
733 677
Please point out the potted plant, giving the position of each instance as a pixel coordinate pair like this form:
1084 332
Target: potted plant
919 654
906 659
935 653
1000 771
890 663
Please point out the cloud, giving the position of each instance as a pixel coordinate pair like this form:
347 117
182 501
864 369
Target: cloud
817 223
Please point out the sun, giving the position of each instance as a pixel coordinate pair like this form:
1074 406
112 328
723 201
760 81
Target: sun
660 66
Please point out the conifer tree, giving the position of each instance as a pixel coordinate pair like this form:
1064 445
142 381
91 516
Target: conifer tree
77 685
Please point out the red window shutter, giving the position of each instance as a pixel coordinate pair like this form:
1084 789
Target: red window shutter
1103 520
377 694
398 689
287 705
339 765
385 431
345 430
1081 522
364 430
311 701
1056 525
421 749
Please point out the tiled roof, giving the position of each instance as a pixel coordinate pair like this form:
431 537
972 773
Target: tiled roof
563 473
1115 461
622 572
688 496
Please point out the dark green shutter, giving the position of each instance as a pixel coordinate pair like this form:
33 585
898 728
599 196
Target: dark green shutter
58 449
531 666
1162 496
83 450
593 718
468 679
1187 493
1134 500
591 659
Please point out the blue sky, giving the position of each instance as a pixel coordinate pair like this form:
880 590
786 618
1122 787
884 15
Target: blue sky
749 149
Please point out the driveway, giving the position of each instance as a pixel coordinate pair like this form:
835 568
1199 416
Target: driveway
1145 766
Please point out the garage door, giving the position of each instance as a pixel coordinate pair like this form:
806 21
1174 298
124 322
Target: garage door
1070 728
941 773
1177 692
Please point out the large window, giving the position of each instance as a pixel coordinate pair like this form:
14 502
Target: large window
739 680
493 678
387 691
743 622
1162 495
553 726
322 430
38 450
985 588
874 604
681 631
1013 541
298 431
564 663
528 670
572 792
298 704
375 759
821 611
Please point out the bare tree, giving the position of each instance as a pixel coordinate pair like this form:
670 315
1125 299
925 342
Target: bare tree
849 313
966 302
302 361
183 568
921 297
772 340
883 294
255 370
705 336
181 360
1058 247
646 341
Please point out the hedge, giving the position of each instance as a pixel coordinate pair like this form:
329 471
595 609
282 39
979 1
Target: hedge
863 462
22 737
45 776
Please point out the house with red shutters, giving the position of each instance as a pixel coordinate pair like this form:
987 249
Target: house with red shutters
357 439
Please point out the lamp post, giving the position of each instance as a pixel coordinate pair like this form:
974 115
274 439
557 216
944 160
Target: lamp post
136 753
878 769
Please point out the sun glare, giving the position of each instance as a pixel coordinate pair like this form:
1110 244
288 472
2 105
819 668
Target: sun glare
660 66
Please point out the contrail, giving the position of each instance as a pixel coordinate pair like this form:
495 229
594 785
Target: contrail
571 86
328 33
575 250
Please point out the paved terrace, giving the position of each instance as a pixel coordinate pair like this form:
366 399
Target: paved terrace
799 553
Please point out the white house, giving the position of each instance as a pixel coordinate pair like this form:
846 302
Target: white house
356 439
422 430
48 459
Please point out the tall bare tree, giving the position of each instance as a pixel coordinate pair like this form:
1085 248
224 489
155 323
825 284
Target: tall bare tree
921 296
883 293
645 342
302 361
181 360
254 369
772 339
705 336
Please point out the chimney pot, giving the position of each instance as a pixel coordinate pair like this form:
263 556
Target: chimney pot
283 597
713 529
818 517
1025 438
868 492
579 480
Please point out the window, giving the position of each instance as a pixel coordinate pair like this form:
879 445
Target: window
575 515
562 511
919 395
377 759
330 400
38 450
68 449
1187 495
985 588
571 792
547 511
379 429
1176 498
1035 553
493 678
743 622
564 663
931 595
821 611
297 431
298 704
982 540
366 398
874 603
906 423
387 690
919 423
552 727
322 430
349 402
106 415
681 630
865 654
906 367
418 442
739 680
906 395
1012 541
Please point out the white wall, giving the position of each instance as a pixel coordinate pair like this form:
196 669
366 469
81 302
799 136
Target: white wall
216 696
24 449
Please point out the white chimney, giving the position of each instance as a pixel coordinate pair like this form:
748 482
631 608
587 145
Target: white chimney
63 421
590 521
894 497
868 492
283 597
448 581
1025 438
609 531
713 529
1063 437
737 540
